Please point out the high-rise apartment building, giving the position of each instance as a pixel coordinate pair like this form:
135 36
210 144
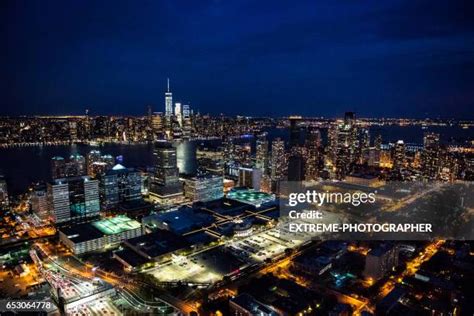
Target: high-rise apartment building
39 201
430 157
278 160
343 145
313 144
168 101
399 155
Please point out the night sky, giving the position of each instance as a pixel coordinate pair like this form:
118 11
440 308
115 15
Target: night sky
273 58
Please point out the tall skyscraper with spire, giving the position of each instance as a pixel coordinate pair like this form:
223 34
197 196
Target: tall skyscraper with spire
168 101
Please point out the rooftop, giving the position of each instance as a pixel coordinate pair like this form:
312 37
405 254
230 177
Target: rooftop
250 196
251 304
116 225
158 243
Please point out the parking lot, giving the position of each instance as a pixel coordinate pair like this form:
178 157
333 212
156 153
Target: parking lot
212 265
264 245
188 269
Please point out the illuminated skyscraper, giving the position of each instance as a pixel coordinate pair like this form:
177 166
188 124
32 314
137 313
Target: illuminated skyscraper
187 123
165 187
39 201
342 145
178 113
75 198
431 156
120 185
278 160
58 167
92 157
157 124
168 102
378 142
3 193
262 153
399 156
313 143
76 166
364 146
250 178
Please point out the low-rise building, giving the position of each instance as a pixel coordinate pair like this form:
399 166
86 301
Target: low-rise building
99 235
246 305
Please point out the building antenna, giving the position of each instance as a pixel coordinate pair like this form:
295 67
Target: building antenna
168 79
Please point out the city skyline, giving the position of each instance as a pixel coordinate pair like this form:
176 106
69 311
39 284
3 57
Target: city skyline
322 59
215 158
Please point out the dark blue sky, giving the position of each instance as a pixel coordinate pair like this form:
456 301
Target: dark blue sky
378 58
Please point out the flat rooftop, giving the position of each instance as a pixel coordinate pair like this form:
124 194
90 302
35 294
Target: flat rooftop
157 243
116 225
181 220
250 196
108 226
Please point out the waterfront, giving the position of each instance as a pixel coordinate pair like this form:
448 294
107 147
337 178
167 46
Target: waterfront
25 165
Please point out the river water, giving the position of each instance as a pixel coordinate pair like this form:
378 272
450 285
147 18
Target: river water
25 165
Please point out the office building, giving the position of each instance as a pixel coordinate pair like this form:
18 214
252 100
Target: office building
39 201
75 198
75 166
204 188
250 178
58 167
120 185
165 187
